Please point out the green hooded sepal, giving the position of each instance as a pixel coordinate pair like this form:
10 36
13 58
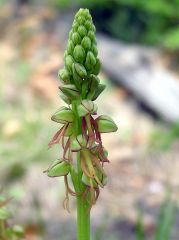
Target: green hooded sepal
87 107
106 124
70 91
65 98
58 168
64 75
63 115
97 67
94 82
98 91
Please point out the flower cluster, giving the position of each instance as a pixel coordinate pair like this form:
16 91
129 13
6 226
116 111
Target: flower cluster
80 133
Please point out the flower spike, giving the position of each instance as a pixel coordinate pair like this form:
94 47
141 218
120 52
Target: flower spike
80 133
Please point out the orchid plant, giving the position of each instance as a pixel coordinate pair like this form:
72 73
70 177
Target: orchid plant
83 153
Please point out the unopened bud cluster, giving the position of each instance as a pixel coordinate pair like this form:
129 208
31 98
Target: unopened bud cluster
80 132
82 65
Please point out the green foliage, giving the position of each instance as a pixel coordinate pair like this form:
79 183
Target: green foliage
162 139
164 224
23 123
140 231
166 220
7 232
153 22
171 39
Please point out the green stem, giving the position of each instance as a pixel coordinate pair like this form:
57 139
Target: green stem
83 219
83 213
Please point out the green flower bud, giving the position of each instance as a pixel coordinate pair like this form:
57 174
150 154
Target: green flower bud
88 25
94 50
93 28
90 60
70 91
86 107
79 53
97 67
77 79
64 75
70 47
88 17
81 71
106 124
98 91
76 38
85 13
58 169
63 115
75 26
82 31
91 35
79 13
70 33
86 43
65 54
80 20
68 62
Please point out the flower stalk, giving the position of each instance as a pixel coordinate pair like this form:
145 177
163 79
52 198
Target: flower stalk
83 153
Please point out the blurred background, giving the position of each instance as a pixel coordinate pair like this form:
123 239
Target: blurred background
139 47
